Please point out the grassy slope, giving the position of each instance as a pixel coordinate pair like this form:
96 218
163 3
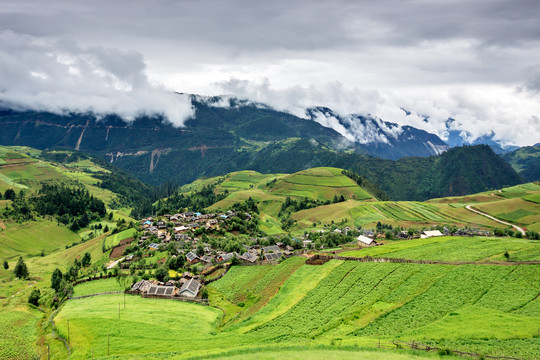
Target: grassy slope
486 309
32 237
97 286
450 248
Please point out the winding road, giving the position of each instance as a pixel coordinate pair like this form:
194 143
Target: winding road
469 207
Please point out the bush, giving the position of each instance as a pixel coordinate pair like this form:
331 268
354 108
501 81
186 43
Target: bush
34 297
444 352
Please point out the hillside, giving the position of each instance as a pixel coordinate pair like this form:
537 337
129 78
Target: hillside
244 136
526 161
341 305
313 206
26 171
276 195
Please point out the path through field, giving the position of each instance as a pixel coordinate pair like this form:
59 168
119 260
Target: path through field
469 207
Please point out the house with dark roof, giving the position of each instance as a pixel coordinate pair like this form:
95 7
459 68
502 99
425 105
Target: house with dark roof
192 258
226 257
249 257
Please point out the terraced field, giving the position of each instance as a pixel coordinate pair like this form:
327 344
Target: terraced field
450 248
488 309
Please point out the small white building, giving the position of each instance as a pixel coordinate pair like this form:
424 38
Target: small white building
365 241
430 233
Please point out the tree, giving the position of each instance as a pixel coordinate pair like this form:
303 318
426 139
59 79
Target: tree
56 279
162 274
6 265
87 258
9 194
21 271
34 297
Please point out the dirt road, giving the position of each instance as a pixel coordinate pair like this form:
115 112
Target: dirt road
469 207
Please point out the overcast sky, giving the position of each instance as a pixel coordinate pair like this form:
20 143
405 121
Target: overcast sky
475 61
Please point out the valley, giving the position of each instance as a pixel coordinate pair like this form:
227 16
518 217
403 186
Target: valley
473 290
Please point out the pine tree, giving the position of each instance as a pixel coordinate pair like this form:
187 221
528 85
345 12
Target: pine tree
21 271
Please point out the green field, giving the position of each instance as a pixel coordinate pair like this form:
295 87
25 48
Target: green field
97 286
492 310
115 239
451 248
29 239
18 334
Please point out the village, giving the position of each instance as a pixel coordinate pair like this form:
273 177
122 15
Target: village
194 242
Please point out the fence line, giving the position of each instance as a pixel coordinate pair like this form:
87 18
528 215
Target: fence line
413 345
101 293
321 259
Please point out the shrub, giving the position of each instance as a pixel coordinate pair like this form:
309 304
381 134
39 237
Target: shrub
34 297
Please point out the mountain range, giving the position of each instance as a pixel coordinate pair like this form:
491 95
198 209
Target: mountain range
228 134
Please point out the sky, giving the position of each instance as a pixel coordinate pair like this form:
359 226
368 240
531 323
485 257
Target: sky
476 62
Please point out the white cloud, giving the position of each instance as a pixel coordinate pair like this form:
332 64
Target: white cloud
60 76
480 110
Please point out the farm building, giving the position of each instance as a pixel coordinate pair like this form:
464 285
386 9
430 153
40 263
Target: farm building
161 291
190 288
192 258
249 257
270 249
141 287
153 246
430 233
207 259
273 256
226 257
364 241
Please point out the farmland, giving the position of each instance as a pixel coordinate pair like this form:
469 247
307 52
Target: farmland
449 248
115 239
97 286
489 309
29 239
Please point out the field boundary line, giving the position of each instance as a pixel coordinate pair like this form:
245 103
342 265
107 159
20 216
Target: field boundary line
98 294
321 259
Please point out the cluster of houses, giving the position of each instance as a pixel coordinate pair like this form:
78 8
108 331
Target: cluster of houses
182 223
251 254
188 287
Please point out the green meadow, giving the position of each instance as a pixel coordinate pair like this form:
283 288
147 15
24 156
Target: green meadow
327 309
453 248
115 239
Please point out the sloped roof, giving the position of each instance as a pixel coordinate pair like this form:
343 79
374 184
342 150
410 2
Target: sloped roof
191 286
430 233
191 256
364 239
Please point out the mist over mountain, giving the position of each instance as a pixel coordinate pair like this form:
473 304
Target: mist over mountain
228 134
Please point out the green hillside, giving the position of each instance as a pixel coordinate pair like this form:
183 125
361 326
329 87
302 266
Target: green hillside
341 305
320 186
526 161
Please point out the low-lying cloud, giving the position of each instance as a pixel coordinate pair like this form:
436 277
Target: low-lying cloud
60 77
511 115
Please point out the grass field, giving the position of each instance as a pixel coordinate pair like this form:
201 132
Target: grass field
514 210
29 239
97 286
115 239
450 248
488 309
